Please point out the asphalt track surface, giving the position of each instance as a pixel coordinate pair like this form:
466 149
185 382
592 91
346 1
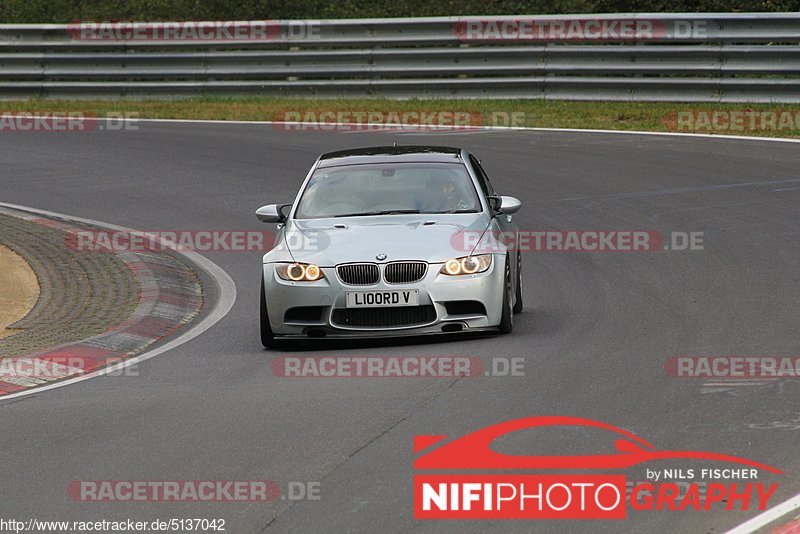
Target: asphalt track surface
597 329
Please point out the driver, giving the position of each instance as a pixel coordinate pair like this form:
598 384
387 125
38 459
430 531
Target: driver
344 195
444 192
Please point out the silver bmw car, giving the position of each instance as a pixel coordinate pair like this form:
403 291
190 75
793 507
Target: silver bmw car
391 241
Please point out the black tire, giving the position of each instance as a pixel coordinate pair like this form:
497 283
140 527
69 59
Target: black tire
267 335
507 318
518 304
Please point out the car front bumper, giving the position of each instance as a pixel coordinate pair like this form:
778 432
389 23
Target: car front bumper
435 289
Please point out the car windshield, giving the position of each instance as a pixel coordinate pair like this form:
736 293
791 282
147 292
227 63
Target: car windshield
388 189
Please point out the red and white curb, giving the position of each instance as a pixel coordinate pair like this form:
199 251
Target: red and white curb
165 305
789 528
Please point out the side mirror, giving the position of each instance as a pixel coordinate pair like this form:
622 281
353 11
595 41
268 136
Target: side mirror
272 213
506 205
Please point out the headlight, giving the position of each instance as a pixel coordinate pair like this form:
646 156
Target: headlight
299 272
467 265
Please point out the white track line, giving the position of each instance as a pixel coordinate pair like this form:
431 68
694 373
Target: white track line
460 129
227 296
465 130
770 516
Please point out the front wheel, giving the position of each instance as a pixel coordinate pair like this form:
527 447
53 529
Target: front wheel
507 318
267 335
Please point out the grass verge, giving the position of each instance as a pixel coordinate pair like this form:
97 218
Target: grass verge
775 120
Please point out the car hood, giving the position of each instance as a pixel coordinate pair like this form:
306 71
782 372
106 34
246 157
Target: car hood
328 242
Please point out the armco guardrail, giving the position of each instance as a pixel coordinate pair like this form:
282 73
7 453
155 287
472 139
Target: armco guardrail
676 57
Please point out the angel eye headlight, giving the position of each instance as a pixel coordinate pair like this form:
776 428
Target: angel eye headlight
313 272
296 272
299 272
452 267
470 265
467 265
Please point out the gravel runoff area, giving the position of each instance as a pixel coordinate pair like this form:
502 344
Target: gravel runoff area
19 290
93 308
82 294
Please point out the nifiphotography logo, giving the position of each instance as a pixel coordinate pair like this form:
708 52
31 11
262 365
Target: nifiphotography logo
484 486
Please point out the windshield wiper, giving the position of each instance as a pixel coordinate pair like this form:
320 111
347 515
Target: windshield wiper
378 212
452 211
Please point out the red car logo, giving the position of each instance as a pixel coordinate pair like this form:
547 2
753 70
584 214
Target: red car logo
473 451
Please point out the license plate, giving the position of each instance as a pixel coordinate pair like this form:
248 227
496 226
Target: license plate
381 299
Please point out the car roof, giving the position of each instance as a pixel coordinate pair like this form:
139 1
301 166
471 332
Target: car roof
390 154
